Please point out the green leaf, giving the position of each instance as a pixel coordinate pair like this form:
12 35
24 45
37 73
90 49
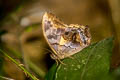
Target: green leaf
115 74
91 63
51 73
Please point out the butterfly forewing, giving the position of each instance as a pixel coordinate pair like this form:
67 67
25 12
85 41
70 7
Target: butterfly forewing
52 30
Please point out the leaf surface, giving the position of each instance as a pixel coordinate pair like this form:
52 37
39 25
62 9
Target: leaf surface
91 63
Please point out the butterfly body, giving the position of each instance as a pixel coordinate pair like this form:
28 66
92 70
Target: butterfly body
65 40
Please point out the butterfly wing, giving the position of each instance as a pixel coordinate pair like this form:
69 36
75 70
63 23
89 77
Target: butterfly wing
52 30
63 45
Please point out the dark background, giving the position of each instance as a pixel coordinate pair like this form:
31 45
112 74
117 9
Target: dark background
21 35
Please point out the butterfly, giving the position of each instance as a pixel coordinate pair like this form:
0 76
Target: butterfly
64 40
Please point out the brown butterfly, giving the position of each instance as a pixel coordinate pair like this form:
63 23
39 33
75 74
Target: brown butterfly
65 40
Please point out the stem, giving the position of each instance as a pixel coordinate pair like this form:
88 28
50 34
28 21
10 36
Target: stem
20 66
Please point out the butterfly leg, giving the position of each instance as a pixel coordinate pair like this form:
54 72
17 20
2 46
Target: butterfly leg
56 58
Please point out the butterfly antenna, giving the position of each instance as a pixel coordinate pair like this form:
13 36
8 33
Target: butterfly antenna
48 50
